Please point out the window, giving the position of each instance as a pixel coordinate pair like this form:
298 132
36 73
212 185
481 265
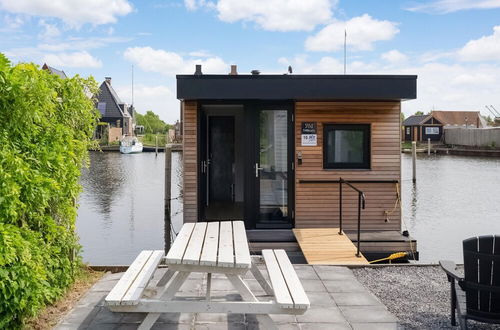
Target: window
408 130
101 106
432 130
346 146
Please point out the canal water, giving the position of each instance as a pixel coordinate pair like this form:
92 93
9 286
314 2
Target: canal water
121 206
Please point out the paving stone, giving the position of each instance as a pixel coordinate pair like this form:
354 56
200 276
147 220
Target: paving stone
112 276
320 299
80 315
165 326
181 318
67 326
105 286
222 285
306 272
321 315
283 318
133 317
219 317
326 273
221 326
344 286
283 326
313 286
106 316
374 326
355 299
325 326
92 298
191 285
365 314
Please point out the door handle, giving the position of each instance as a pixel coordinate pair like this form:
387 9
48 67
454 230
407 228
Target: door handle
257 168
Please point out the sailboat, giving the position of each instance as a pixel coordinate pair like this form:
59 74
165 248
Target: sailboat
130 145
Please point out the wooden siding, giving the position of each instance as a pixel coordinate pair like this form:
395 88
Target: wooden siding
190 161
317 203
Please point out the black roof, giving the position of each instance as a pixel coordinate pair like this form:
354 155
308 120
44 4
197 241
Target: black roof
109 104
55 71
297 87
415 120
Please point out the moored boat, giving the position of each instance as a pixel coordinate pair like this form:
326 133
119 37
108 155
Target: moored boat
130 145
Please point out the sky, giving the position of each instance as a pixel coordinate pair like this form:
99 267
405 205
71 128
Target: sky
452 45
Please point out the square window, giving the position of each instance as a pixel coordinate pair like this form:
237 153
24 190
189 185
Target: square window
346 146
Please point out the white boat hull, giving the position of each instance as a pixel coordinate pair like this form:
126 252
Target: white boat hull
133 149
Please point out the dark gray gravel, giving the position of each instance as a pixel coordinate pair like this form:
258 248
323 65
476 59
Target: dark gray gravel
418 295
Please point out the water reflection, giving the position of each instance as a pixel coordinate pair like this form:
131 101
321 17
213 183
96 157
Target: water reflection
454 198
122 206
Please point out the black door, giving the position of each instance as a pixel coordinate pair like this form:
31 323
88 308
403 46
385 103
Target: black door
221 159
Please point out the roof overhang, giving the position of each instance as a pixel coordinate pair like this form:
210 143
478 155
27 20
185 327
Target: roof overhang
296 87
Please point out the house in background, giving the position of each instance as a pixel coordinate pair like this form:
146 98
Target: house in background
430 126
422 127
117 114
52 70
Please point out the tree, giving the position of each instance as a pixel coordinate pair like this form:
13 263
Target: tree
46 132
419 113
402 117
488 119
151 122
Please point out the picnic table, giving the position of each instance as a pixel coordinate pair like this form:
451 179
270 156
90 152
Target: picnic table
211 248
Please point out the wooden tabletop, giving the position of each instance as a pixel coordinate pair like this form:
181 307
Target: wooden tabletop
211 244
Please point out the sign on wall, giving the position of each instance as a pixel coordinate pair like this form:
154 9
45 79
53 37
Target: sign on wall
309 134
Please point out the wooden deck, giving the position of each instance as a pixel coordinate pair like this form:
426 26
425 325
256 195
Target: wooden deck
324 246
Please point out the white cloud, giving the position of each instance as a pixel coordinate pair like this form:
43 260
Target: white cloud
171 63
394 56
483 49
72 60
160 99
13 22
272 15
443 86
81 43
301 64
73 12
362 32
449 6
50 31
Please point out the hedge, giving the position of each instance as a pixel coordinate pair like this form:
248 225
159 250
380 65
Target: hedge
46 126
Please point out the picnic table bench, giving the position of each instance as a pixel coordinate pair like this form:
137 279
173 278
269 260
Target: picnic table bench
209 247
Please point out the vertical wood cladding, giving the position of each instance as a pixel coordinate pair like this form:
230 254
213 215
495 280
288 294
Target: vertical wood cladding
317 203
190 161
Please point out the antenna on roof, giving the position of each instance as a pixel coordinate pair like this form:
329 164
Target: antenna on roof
345 50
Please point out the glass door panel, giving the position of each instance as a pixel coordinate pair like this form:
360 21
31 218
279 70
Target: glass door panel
272 169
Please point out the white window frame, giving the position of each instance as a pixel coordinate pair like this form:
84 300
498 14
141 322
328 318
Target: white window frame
431 130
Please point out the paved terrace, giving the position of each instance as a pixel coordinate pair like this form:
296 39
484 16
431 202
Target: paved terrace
338 301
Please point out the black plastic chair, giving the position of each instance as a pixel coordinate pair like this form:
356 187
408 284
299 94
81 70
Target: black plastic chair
477 296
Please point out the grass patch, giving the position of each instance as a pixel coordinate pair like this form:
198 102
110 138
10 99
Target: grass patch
406 145
150 140
53 313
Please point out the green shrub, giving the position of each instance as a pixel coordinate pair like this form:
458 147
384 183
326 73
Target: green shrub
46 125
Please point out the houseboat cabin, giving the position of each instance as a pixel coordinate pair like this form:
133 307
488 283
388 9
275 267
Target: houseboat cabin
431 126
271 150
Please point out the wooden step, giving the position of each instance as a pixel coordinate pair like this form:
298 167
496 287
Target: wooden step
324 246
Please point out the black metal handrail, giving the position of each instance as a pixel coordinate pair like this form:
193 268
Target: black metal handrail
361 205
